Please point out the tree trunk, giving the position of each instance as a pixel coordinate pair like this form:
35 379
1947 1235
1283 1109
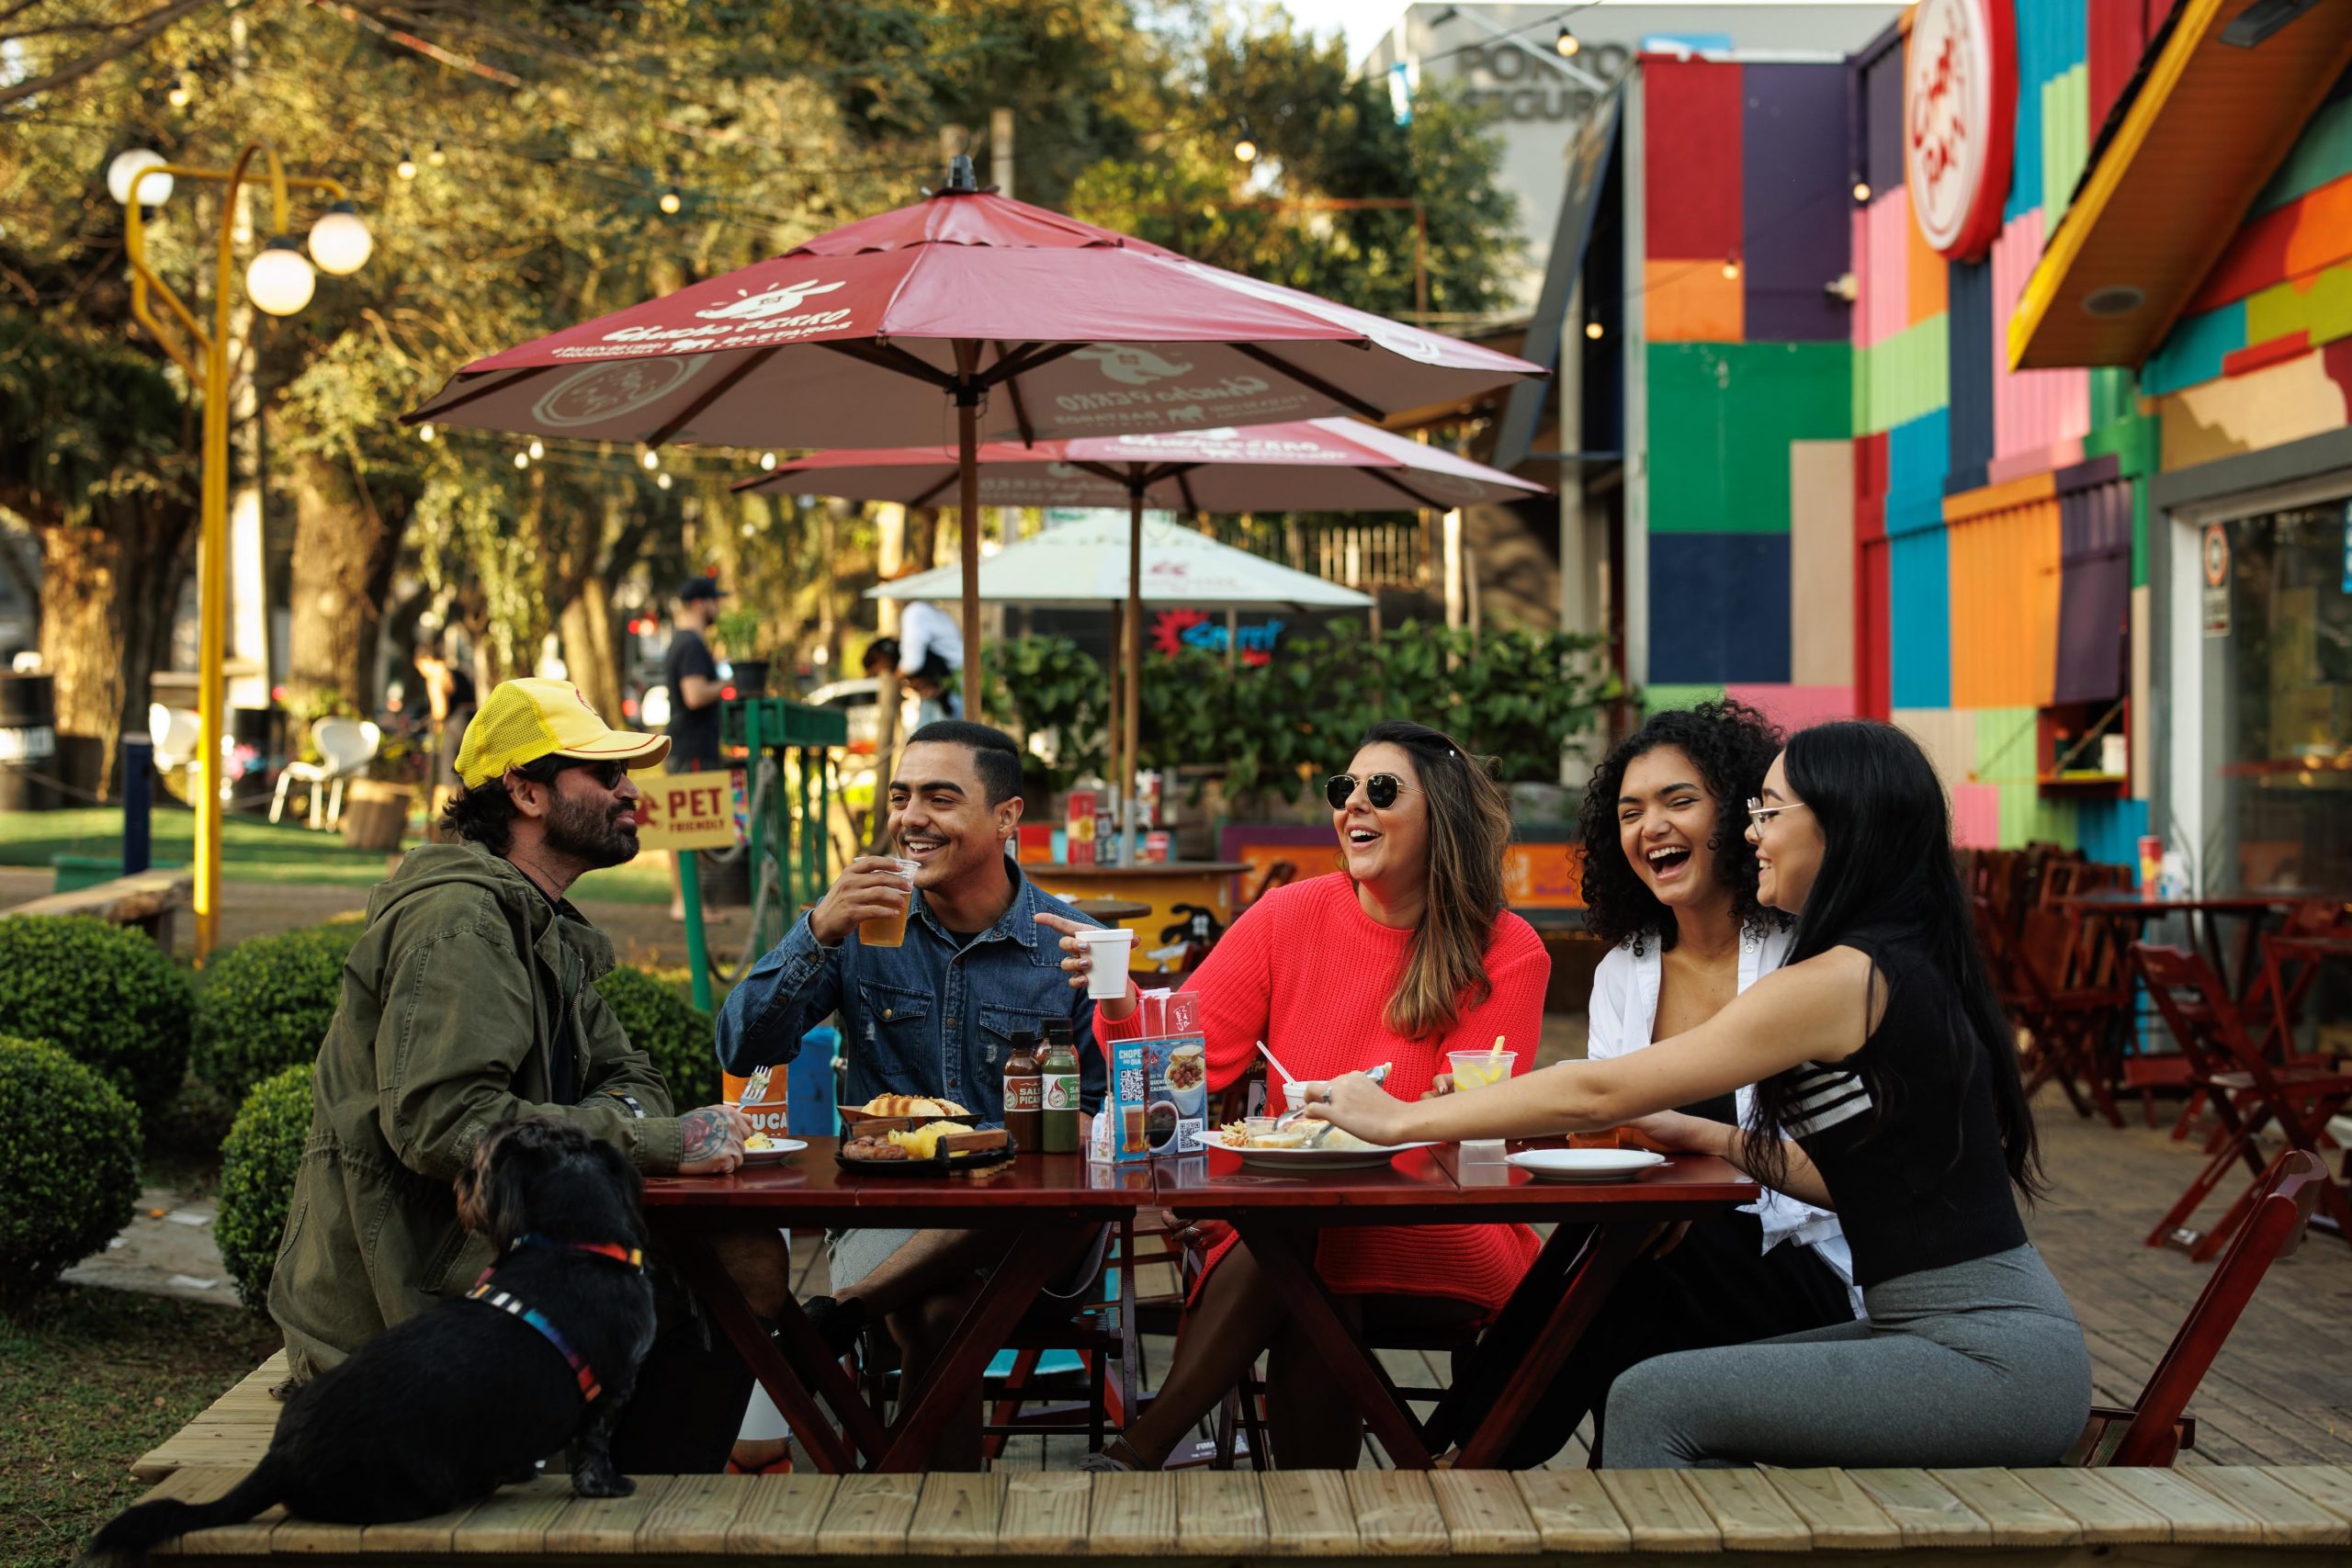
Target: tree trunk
343 555
108 591
591 650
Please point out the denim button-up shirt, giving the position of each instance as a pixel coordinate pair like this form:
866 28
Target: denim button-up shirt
934 1017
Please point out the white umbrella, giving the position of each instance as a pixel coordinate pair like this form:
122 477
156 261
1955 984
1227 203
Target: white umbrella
1086 563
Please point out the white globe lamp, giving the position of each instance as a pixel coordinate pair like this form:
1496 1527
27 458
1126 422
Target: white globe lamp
280 279
340 241
125 169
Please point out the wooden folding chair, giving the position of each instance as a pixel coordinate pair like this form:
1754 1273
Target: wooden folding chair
2067 1027
2157 1428
2246 1091
2274 1002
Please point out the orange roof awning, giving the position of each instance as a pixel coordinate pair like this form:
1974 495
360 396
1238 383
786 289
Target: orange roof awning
2172 179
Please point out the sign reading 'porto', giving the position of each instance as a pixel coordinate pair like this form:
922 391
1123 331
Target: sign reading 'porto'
1959 95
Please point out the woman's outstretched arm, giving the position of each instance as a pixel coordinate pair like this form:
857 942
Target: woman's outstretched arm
1817 1010
1673 1130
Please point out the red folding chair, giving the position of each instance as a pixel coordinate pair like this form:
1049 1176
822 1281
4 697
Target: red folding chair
2246 1091
2157 1428
2067 1027
2274 1002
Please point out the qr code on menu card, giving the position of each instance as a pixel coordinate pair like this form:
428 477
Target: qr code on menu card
1131 1085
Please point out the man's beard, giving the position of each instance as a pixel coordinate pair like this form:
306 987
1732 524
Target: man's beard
590 832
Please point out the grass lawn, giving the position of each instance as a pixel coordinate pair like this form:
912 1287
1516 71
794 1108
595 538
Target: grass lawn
253 849
93 1379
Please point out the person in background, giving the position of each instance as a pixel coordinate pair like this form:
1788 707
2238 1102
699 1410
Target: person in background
933 1016
1669 883
468 1002
1886 1089
930 653
692 675
449 702
1403 955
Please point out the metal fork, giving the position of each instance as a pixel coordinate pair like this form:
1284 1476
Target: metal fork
1315 1139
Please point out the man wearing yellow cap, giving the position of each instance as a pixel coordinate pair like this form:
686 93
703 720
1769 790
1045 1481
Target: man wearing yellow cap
468 1002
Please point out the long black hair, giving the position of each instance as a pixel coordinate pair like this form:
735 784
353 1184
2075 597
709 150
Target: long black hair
1731 744
1887 862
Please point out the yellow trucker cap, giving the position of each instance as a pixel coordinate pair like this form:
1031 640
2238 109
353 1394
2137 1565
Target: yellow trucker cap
527 719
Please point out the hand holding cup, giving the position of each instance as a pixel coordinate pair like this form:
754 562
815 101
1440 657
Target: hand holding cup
871 887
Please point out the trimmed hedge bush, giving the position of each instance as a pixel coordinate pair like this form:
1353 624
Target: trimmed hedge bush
69 1165
679 1036
265 1004
258 1163
104 994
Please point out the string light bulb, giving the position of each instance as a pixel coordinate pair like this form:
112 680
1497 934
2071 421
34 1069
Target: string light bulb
406 167
538 449
1246 150
672 200
1731 268
767 460
1592 330
662 481
1567 44
1863 191
651 458
522 459
182 90
436 157
425 433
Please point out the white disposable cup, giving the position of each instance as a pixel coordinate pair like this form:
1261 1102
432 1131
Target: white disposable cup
1295 1096
1106 962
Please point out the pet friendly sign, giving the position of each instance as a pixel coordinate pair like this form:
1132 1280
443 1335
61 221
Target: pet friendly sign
688 811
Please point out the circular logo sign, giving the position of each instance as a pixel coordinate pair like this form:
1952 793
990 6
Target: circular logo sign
615 388
2216 552
1960 96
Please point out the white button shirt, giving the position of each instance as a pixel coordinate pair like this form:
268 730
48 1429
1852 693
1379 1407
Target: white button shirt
1624 1013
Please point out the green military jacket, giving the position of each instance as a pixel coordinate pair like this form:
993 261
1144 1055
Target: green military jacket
446 1030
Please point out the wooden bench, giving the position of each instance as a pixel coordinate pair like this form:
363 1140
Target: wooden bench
148 899
2207 1516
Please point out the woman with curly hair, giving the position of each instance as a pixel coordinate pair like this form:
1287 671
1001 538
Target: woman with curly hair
1669 882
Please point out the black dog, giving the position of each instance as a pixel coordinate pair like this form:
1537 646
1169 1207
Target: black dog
442 1409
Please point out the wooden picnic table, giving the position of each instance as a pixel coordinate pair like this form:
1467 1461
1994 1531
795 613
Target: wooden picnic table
1037 1201
2204 916
1602 1228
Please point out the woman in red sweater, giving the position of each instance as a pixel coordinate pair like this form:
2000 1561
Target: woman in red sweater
1403 955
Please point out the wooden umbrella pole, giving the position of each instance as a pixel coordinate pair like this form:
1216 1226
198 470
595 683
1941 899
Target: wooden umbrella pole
968 425
1134 672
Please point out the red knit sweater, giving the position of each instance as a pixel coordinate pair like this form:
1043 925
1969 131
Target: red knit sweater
1306 971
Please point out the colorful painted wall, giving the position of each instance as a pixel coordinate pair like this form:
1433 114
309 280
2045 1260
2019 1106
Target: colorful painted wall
1858 508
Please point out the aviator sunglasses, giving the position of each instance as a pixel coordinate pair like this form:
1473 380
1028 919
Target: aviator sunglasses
1381 789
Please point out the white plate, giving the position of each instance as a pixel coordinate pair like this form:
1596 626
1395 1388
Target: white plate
1584 1165
1311 1159
782 1147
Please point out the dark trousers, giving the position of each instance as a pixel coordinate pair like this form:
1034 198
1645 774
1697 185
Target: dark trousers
692 1389
1717 1288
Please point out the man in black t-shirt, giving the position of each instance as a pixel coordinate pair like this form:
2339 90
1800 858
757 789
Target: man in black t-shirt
692 675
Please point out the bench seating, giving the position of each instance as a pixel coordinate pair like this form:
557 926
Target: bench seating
148 899
2204 1515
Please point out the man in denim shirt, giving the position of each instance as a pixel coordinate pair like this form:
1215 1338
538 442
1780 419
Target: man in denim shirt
935 1017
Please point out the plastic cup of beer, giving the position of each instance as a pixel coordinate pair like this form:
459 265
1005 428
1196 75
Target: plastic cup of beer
1106 962
891 930
1476 1069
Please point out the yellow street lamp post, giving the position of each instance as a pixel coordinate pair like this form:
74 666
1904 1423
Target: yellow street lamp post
279 281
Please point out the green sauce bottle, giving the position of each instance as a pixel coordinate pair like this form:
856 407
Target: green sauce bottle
1059 1067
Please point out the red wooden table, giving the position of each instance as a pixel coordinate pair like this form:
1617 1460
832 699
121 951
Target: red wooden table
1602 1229
2204 916
1040 1201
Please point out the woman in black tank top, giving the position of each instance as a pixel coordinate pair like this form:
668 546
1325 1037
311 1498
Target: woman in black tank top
1888 1089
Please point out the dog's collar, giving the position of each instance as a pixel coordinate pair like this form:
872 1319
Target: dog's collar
507 1301
633 1256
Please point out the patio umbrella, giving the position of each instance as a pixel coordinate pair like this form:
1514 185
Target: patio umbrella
1322 465
881 326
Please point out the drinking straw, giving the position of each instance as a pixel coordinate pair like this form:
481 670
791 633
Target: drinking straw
1277 1065
1495 1056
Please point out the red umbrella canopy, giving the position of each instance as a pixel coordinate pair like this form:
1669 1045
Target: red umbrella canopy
1321 465
867 335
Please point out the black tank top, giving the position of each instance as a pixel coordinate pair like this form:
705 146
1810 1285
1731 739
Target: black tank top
1904 1131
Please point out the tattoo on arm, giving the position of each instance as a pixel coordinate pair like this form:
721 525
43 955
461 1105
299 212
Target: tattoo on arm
701 1135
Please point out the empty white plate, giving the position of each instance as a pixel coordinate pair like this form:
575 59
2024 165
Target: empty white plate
1585 1165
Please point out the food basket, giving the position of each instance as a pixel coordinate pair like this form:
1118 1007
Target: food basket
946 1162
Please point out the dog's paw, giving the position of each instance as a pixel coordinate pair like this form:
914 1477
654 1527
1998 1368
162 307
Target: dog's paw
602 1482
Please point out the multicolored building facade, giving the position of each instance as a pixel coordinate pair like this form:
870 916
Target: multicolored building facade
2067 497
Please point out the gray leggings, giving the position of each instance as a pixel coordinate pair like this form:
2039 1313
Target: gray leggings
1980 1363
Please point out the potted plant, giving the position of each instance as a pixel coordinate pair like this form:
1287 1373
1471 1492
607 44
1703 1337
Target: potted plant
738 633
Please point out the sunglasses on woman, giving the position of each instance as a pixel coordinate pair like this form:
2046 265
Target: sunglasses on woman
1381 789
